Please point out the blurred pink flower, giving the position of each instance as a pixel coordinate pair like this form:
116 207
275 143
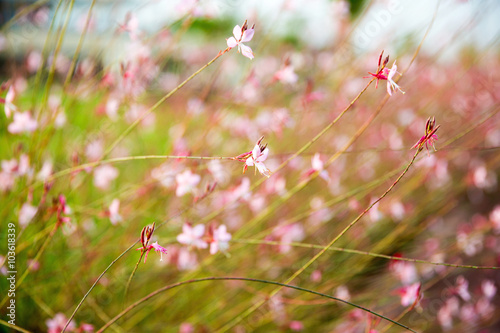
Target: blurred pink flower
410 294
9 99
318 166
23 122
296 326
219 239
242 35
104 175
114 215
26 214
56 324
186 182
286 74
489 289
192 236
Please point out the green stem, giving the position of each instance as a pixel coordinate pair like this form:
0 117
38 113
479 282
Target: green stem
372 254
281 285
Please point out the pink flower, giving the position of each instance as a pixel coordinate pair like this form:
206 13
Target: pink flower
219 239
391 85
385 74
9 98
22 123
242 35
318 165
114 215
186 182
256 158
26 214
489 289
192 236
104 175
410 294
156 247
429 137
296 326
56 324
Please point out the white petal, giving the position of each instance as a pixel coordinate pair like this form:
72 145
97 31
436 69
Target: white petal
263 155
231 42
237 32
199 230
247 35
246 51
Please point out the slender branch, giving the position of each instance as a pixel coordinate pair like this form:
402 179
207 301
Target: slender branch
157 104
131 277
257 305
95 283
38 254
281 285
372 254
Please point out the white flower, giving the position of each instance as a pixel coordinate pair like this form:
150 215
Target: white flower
242 35
257 159
390 83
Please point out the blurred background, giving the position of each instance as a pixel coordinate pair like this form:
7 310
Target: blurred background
96 116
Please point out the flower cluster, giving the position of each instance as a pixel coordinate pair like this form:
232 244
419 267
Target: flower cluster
195 236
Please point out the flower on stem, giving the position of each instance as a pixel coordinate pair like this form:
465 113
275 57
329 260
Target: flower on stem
256 158
391 85
242 35
146 234
429 137
384 73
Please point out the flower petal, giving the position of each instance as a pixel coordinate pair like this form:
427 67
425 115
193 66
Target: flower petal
237 32
231 42
247 35
246 51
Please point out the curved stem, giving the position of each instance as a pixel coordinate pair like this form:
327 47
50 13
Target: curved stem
95 283
281 285
131 277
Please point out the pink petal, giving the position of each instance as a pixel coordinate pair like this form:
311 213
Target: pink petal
389 88
263 155
247 35
237 32
246 51
256 152
231 42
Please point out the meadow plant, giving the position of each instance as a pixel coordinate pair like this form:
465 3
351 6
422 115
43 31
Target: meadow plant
120 138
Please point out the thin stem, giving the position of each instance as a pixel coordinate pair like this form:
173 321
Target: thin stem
257 305
131 277
157 104
14 327
79 46
84 166
95 283
121 255
281 285
28 269
372 254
